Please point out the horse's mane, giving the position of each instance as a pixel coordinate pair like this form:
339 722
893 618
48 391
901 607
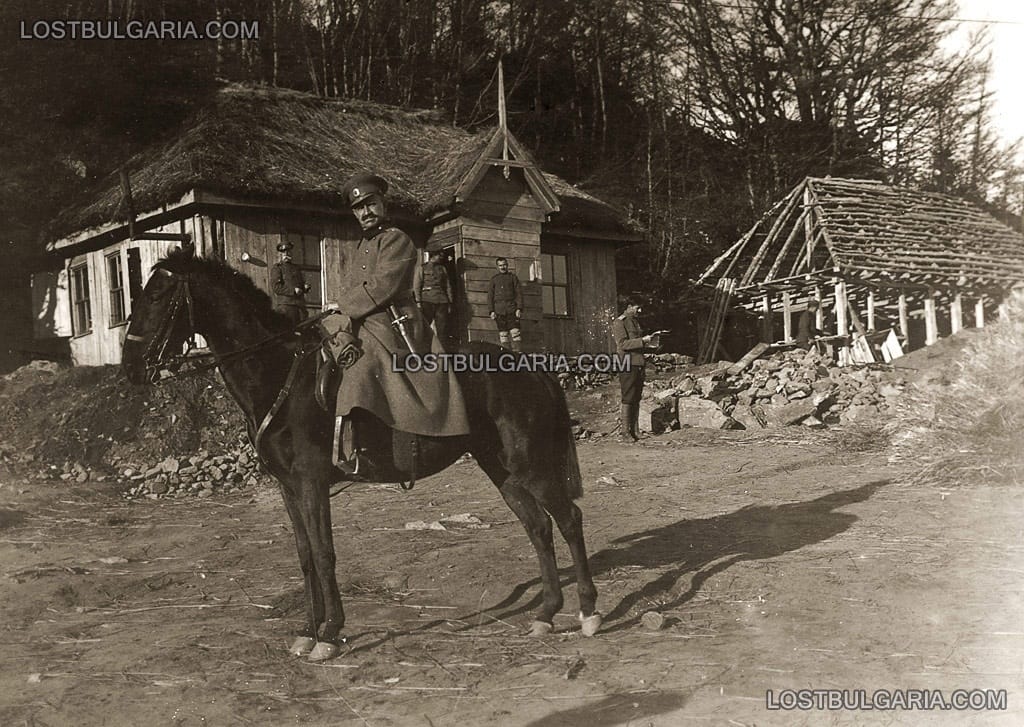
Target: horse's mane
220 273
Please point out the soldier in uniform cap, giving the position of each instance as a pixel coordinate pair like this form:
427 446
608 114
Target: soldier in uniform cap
376 289
433 292
289 286
505 303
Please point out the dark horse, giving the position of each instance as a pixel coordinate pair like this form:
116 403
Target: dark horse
520 430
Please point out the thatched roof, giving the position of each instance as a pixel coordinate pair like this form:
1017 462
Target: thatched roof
872 234
280 145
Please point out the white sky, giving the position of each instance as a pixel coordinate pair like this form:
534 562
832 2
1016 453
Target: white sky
1007 47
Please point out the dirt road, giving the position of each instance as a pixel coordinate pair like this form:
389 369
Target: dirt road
777 562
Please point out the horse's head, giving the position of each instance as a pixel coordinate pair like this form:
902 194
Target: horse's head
162 320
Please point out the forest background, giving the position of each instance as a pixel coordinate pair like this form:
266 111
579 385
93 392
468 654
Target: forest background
693 117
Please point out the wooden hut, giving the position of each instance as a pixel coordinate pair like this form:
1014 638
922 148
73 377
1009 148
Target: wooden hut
257 166
877 257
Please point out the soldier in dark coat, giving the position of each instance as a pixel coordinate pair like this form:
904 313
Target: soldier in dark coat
630 339
376 285
433 292
289 286
505 304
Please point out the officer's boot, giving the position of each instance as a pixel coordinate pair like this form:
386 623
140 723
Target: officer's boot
627 433
634 421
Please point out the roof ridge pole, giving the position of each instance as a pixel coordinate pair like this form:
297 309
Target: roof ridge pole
503 118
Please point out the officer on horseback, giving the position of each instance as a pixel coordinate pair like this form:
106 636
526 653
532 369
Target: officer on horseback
378 321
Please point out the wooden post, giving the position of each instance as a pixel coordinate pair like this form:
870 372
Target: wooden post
979 312
841 321
819 316
1004 310
931 325
871 310
766 309
787 317
904 320
956 314
840 305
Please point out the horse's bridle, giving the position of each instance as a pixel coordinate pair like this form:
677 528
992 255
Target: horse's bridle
154 357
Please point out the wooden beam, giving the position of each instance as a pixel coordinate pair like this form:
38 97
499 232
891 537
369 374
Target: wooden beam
979 312
787 317
871 310
841 307
791 202
956 314
766 310
904 319
819 316
930 322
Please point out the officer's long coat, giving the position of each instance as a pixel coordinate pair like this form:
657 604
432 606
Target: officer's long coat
377 272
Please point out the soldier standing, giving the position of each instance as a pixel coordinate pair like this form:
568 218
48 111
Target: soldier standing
433 292
505 301
289 286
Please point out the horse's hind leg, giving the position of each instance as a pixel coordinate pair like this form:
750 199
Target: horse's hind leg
569 519
538 527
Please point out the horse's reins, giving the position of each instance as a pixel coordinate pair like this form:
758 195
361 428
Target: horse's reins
183 294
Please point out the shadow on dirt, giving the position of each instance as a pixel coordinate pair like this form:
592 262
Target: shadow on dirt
615 709
705 548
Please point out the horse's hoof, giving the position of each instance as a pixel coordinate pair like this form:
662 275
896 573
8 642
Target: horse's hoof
540 628
323 651
590 624
302 646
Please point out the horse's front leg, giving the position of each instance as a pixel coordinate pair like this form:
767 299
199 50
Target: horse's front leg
315 507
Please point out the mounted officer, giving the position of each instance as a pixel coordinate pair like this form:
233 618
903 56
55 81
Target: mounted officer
377 316
289 286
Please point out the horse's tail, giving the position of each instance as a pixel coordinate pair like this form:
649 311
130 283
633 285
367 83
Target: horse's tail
567 464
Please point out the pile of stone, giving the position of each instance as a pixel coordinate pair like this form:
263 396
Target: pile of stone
199 475
576 379
771 389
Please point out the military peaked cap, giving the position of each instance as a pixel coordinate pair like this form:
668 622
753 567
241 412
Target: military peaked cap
362 185
284 246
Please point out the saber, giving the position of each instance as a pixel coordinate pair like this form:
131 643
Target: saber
398 320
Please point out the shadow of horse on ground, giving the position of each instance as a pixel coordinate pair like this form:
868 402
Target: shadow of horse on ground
707 547
704 547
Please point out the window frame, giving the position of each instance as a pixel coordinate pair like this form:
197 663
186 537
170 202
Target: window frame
115 294
77 283
566 286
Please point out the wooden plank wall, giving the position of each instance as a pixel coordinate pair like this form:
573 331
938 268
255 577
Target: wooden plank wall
102 345
501 219
592 296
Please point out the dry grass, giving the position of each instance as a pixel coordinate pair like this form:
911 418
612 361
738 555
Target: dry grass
968 428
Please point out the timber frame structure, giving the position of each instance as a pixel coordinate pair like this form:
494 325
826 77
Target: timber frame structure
860 247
